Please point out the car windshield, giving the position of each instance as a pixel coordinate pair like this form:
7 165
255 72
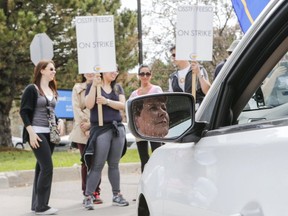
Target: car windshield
270 101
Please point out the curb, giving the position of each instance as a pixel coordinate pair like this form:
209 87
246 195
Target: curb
26 177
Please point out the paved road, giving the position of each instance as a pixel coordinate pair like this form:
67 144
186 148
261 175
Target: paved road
67 197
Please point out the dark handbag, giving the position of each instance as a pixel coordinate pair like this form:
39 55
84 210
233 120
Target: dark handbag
54 132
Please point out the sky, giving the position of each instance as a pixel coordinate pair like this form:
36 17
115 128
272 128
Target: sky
132 5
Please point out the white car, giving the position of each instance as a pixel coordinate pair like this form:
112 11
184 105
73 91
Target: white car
64 141
129 136
17 142
231 157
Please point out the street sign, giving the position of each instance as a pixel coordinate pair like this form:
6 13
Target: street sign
41 47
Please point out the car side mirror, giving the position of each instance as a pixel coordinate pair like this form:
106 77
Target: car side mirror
165 116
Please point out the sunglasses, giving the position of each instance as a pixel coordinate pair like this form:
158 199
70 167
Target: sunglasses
173 55
142 74
52 69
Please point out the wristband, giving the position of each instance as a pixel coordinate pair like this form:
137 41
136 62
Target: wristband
108 101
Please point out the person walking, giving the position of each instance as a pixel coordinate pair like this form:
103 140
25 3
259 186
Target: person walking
36 99
181 79
106 142
81 125
146 87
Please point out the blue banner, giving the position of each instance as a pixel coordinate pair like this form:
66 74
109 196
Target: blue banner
247 11
64 107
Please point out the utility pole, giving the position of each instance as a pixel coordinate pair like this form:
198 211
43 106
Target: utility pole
140 44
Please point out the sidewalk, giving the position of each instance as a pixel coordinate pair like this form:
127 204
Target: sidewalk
25 178
66 194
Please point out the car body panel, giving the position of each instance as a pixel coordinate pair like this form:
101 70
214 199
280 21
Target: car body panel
199 177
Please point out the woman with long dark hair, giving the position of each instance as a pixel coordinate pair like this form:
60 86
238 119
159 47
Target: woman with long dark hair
146 87
36 99
106 142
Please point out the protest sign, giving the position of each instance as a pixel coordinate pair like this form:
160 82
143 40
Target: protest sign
194 33
95 44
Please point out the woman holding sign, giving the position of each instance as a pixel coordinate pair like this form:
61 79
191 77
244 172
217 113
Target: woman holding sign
106 142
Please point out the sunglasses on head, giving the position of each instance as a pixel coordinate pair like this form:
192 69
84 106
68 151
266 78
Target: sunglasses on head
142 74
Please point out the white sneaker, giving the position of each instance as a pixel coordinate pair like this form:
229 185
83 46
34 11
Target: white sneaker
50 211
119 200
88 204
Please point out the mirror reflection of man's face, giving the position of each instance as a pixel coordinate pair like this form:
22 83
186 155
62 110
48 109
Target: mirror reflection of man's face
153 119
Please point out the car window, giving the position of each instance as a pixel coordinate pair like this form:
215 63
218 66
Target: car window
270 100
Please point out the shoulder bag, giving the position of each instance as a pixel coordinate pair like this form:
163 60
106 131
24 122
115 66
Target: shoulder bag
54 132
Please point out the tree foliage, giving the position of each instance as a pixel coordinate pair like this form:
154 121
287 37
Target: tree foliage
21 20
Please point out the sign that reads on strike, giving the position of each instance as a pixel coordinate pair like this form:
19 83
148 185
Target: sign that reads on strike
95 44
194 33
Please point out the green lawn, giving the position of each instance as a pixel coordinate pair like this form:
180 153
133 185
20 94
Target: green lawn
12 159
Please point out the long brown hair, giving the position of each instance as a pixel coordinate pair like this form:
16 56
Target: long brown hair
37 77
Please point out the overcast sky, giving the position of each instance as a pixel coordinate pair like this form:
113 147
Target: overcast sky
132 4
148 47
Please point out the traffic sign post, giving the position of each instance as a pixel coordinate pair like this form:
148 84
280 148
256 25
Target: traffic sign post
41 47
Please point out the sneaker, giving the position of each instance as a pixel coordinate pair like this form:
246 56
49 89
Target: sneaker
88 204
118 200
96 198
50 211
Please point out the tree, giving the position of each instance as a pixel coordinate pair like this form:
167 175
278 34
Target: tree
20 20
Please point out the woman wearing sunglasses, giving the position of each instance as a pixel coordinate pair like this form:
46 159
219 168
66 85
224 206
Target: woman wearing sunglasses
106 143
146 87
36 99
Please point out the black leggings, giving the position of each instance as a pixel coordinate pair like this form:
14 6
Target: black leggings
43 174
142 147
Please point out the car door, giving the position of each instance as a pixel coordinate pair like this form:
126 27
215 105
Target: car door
239 165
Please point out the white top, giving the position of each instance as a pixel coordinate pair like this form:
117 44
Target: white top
154 89
181 74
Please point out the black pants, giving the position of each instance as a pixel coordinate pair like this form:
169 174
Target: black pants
43 174
143 151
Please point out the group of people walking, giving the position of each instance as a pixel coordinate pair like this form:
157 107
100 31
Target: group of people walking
97 144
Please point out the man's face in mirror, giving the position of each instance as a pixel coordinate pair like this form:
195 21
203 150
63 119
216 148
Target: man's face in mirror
153 119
